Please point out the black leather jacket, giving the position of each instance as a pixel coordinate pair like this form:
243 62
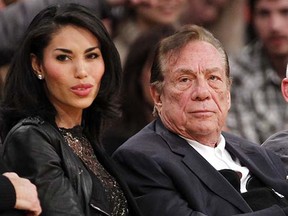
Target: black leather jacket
36 150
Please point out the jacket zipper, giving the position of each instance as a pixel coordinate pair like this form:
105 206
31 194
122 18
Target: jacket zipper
97 208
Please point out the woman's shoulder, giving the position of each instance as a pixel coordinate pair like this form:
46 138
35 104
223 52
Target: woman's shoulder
36 122
33 128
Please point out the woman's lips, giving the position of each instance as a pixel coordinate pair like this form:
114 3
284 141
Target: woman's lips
82 90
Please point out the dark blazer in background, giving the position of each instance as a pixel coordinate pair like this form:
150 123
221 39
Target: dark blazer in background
168 177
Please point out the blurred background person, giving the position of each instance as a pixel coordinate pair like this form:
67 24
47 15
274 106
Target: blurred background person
226 19
4 3
137 104
258 109
136 19
278 142
15 18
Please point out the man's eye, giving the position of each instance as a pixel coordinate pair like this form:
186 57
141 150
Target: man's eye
62 57
184 79
263 13
213 78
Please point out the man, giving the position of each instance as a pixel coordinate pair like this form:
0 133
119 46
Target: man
181 163
278 141
18 195
257 109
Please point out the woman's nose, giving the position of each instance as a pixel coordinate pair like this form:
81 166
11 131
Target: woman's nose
80 70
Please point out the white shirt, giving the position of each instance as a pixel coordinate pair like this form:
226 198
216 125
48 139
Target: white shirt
220 159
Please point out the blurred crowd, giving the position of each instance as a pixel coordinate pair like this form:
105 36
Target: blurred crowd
122 97
253 33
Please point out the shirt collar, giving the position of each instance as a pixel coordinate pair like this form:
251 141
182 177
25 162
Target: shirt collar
203 148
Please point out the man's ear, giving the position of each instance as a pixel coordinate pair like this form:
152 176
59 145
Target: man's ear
229 100
156 96
284 88
36 65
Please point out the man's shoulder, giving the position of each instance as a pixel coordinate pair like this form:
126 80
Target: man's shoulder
240 142
153 139
234 138
277 142
147 135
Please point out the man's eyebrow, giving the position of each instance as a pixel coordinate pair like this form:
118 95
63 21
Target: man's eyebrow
184 70
187 70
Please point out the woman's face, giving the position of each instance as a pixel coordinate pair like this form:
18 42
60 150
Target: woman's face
72 69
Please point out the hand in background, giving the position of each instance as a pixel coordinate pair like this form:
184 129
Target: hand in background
26 194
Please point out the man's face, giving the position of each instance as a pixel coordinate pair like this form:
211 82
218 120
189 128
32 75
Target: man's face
271 25
195 97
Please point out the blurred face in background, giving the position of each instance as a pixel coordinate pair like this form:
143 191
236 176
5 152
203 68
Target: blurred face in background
203 12
271 25
145 82
160 12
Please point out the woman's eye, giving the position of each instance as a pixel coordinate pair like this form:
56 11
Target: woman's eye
62 57
92 55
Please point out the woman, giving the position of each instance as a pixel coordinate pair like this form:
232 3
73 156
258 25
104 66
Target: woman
60 91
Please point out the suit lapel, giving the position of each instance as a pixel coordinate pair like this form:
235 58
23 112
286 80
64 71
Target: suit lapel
201 168
257 164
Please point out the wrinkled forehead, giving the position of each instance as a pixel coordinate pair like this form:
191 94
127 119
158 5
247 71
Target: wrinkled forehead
194 54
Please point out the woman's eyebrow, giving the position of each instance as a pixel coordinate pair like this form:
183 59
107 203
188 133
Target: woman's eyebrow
69 51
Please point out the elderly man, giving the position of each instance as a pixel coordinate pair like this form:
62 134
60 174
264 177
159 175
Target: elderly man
181 163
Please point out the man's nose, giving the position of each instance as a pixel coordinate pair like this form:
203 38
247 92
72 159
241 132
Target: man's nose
276 22
200 91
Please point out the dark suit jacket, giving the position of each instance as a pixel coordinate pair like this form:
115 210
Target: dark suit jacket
169 178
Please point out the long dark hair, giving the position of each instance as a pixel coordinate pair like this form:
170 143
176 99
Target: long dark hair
24 95
140 53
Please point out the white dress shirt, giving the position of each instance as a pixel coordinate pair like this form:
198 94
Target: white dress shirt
220 159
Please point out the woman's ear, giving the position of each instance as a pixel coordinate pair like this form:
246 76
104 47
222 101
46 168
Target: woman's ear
35 63
284 88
